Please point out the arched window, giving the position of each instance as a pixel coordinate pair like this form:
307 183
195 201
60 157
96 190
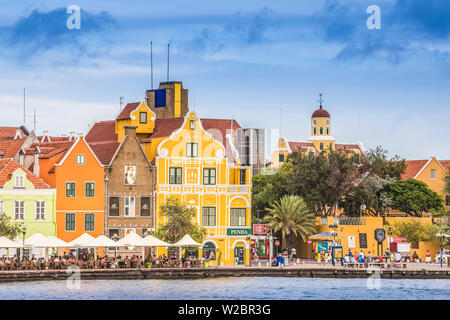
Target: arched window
331 145
315 131
321 130
321 146
328 130
209 251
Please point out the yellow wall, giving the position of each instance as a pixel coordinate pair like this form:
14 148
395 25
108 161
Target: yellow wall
438 184
223 195
143 129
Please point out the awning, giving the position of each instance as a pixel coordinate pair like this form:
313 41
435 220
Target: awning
7 243
151 241
102 241
82 241
324 235
186 241
131 240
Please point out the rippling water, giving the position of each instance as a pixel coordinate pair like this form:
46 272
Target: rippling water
230 288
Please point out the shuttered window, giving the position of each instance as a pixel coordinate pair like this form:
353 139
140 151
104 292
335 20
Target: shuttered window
363 240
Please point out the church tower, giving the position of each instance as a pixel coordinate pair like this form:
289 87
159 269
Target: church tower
321 128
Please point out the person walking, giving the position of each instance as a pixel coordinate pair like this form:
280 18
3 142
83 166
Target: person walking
428 257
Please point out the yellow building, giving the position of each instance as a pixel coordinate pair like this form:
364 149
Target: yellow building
432 172
320 140
193 167
196 161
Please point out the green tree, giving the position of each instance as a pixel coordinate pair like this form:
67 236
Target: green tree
179 222
383 167
292 217
414 231
9 228
414 197
447 182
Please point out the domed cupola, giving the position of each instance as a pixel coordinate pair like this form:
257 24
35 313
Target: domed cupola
321 128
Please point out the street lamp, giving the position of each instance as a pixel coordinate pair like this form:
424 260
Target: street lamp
24 232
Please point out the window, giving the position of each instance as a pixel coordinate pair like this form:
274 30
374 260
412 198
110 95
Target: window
315 131
312 154
113 234
81 159
209 250
191 149
363 240
281 157
145 206
331 146
321 130
321 146
70 189
70 221
40 210
192 124
175 175
114 206
19 182
19 210
414 245
209 216
130 206
356 156
433 174
237 216
209 176
142 117
242 176
328 130
447 201
89 222
90 189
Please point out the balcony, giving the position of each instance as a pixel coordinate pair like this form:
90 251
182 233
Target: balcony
239 188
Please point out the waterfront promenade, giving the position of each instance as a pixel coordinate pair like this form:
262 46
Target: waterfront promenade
413 271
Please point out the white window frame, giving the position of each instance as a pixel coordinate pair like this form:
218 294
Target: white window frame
129 210
40 207
19 210
19 181
191 149
81 159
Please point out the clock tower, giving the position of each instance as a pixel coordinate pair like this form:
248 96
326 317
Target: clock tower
321 128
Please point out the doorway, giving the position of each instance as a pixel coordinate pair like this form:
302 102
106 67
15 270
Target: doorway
239 256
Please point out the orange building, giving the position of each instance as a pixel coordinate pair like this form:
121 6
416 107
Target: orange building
78 175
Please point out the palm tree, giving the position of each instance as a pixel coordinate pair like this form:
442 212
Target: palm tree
291 216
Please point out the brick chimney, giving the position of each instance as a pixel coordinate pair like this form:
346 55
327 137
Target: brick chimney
130 131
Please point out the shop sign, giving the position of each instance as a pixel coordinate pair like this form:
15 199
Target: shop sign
238 232
260 228
277 243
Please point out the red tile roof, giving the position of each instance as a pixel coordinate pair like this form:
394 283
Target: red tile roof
164 127
299 145
125 114
320 113
50 149
347 146
11 147
8 166
104 150
102 131
8 133
412 168
445 164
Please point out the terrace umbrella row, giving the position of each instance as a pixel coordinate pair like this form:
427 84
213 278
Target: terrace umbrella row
132 239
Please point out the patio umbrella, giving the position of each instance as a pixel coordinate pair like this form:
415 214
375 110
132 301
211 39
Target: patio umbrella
186 241
103 241
323 235
57 242
82 241
151 241
7 243
131 240
38 240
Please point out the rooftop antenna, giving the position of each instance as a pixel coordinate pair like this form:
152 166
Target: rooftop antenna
151 61
120 103
24 110
168 61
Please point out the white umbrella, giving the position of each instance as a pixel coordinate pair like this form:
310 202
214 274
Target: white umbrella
38 240
7 243
103 241
57 242
151 241
82 241
131 240
186 241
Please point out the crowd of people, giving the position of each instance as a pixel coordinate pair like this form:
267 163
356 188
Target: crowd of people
88 261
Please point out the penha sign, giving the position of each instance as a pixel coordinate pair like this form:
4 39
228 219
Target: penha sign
238 232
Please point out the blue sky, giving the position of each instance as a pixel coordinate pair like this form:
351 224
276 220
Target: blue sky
242 59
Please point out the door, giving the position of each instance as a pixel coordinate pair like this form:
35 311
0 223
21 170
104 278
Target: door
239 256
